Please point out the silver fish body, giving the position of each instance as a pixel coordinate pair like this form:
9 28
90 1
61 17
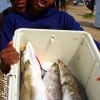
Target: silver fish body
52 82
25 82
71 88
32 86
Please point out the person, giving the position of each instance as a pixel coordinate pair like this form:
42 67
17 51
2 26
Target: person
91 5
61 4
17 6
39 14
78 2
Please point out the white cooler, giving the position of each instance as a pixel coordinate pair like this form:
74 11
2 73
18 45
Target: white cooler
75 48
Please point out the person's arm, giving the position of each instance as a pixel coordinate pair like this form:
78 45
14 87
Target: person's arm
7 31
4 13
8 54
71 24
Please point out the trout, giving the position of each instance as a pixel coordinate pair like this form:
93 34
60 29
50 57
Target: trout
71 87
52 82
32 86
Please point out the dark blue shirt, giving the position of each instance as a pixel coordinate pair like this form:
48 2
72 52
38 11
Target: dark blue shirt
51 19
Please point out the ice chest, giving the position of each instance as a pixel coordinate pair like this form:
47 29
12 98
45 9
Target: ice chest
75 48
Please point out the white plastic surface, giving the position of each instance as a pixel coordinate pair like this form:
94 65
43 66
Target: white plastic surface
75 48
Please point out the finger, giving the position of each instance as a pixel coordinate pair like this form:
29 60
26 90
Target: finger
10 43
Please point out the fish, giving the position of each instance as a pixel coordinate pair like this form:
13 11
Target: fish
32 86
52 82
25 82
72 89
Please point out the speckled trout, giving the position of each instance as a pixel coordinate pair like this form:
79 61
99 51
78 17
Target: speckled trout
71 88
52 82
32 86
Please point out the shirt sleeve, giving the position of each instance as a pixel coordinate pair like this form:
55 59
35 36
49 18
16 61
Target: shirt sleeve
71 24
6 32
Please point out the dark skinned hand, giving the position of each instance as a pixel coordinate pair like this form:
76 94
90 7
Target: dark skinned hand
9 55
